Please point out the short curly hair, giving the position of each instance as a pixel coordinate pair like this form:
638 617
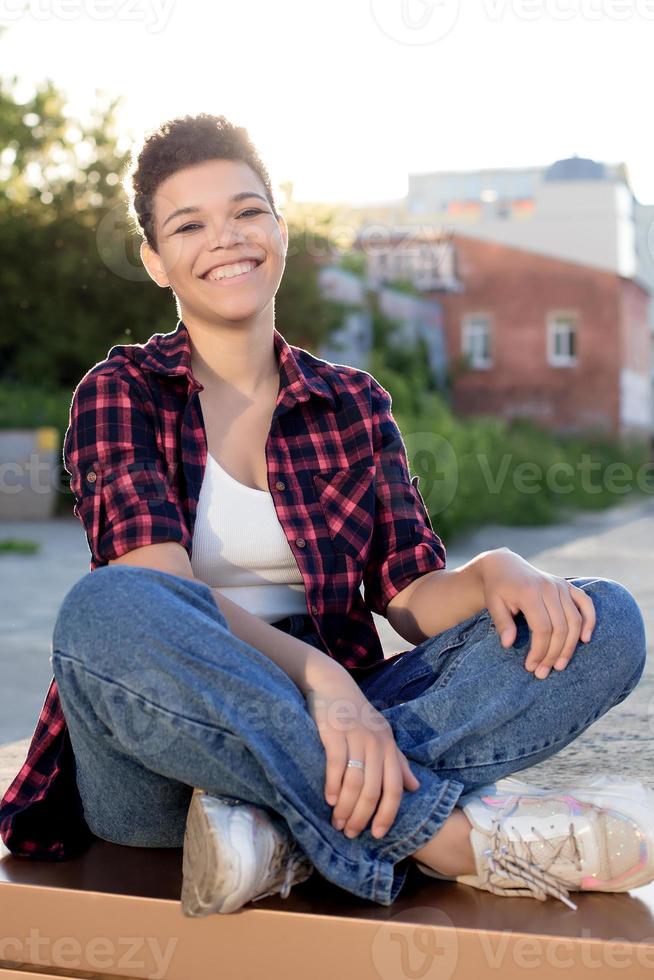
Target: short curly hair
180 143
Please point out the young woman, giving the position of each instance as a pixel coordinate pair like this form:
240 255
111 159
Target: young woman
221 679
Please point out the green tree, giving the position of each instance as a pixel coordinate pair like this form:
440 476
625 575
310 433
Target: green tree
71 281
71 285
302 314
404 369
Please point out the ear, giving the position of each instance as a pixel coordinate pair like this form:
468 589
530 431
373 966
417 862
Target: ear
154 267
283 228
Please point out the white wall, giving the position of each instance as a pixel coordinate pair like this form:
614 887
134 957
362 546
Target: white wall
635 399
582 221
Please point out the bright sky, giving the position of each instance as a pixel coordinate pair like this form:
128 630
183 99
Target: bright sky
345 98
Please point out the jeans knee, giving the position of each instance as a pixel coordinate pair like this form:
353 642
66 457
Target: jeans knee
622 627
89 603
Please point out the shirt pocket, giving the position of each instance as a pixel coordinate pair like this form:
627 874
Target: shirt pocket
347 500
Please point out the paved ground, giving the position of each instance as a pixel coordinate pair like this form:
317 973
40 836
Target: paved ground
617 544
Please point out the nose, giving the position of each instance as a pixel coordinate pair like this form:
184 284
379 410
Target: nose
226 237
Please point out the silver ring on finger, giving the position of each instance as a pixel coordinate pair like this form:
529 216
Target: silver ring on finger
355 763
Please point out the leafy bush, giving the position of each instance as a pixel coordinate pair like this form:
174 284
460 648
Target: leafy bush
29 406
24 406
481 469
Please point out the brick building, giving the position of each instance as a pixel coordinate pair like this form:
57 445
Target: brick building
563 343
580 214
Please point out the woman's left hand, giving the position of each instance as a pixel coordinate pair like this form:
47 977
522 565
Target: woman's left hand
558 613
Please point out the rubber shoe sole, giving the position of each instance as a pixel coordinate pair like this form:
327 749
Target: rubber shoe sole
629 803
234 854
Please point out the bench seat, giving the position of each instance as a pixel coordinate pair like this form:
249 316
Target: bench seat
115 912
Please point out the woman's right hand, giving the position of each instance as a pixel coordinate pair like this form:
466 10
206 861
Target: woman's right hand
351 728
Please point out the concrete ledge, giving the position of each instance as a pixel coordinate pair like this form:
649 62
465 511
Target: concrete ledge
12 757
115 911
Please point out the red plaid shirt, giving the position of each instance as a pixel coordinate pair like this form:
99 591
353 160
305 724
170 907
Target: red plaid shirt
136 450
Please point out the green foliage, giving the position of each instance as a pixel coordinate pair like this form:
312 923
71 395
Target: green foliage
481 470
354 262
404 286
24 406
61 306
71 281
18 546
404 369
302 314
31 406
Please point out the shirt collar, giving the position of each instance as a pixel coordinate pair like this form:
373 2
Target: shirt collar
169 354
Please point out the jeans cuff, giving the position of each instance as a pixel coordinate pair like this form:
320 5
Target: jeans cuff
389 879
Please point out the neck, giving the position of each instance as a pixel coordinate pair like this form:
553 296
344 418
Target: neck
240 357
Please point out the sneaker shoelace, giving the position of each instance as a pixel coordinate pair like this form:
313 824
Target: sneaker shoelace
295 862
504 861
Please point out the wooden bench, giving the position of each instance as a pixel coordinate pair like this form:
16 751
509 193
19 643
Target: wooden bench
115 912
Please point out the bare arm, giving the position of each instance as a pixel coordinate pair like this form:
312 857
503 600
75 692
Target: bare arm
303 663
436 601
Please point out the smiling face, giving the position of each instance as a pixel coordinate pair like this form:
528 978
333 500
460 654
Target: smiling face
210 215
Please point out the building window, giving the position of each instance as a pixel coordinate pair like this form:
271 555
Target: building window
476 340
562 340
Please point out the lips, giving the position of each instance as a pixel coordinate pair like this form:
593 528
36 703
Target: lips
223 281
224 265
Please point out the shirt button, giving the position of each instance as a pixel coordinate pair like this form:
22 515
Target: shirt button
91 476
280 485
300 542
314 610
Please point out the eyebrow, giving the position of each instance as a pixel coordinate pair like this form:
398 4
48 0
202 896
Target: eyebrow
194 209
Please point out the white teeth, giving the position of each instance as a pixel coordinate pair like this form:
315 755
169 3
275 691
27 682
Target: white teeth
229 271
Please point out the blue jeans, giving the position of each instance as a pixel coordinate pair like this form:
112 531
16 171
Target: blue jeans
159 696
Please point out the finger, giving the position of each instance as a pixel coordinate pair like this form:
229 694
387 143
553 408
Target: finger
503 621
540 624
336 752
560 629
352 779
369 792
566 624
586 607
392 795
575 617
411 781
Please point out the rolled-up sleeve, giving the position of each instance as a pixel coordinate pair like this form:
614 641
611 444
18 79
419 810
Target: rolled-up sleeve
404 544
124 497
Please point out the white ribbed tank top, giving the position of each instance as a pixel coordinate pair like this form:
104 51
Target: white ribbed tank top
240 547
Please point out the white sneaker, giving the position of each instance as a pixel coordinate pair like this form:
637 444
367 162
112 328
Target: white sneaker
234 854
596 836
